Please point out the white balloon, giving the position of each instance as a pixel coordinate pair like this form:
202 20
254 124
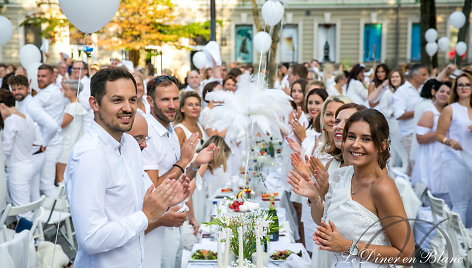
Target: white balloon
272 12
262 42
457 19
200 60
29 54
431 48
32 71
443 43
461 47
6 30
431 35
89 16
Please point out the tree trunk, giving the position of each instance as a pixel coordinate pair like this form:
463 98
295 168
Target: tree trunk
134 56
271 64
257 16
465 29
428 20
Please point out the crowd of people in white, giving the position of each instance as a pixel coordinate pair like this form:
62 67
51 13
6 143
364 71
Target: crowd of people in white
348 130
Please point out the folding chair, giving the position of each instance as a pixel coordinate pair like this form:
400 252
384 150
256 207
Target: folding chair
460 238
34 207
56 210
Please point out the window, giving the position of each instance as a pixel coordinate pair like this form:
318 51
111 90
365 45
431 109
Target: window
243 43
327 42
289 45
372 42
415 42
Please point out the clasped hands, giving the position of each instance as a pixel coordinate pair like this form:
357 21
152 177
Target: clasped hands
187 151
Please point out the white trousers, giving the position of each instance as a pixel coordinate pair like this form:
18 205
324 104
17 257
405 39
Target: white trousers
20 177
48 170
38 162
172 251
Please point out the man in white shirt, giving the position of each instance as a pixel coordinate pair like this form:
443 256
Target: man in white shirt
79 72
63 75
163 155
295 72
405 98
46 129
193 81
51 99
109 204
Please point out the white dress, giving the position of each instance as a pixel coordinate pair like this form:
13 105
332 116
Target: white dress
309 224
353 221
423 171
357 92
188 133
419 110
73 131
455 168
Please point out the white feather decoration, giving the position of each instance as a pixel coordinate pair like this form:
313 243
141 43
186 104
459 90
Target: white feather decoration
252 107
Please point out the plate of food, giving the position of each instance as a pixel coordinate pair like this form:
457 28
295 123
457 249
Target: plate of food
204 256
282 255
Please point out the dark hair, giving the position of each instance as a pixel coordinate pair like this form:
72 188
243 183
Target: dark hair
323 95
339 76
453 97
377 81
5 80
160 81
302 83
187 94
234 72
379 132
355 70
101 77
46 67
333 150
3 65
18 80
390 78
7 97
209 87
300 70
229 77
427 87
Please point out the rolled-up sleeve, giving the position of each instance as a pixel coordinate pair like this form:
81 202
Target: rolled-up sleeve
87 187
48 126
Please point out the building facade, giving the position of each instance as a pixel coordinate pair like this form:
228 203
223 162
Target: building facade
339 31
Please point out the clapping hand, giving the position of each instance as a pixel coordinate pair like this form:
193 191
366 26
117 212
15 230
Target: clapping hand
301 167
182 189
188 148
295 146
322 182
158 200
303 186
298 129
206 155
328 238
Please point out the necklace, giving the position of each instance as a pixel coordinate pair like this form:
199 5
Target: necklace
353 192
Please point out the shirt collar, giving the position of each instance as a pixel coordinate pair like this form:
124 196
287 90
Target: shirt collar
105 136
161 130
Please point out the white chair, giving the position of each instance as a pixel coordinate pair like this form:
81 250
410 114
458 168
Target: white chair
56 211
460 239
439 209
34 207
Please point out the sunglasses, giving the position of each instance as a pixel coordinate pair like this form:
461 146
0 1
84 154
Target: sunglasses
161 79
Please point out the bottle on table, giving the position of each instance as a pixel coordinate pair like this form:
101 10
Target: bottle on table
274 236
213 215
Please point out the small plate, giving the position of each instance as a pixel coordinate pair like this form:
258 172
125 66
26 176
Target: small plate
203 261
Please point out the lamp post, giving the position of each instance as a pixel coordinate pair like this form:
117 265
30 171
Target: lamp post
212 20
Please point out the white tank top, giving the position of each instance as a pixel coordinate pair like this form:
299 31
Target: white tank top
188 133
458 131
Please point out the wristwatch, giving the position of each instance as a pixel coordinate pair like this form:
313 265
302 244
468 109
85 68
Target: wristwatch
353 249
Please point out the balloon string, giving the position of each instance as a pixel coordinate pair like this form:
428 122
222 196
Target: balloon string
260 65
95 48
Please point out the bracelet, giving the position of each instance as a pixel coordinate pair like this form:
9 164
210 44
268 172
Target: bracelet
445 141
175 165
192 168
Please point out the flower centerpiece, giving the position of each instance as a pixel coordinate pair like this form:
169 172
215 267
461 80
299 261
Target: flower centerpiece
247 222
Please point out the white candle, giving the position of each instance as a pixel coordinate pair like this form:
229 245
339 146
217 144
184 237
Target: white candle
227 243
258 249
218 254
240 243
